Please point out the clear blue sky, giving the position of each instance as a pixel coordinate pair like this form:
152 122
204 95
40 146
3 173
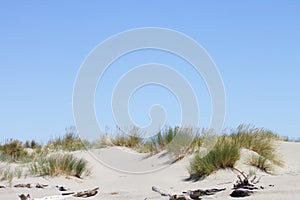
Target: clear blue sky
255 45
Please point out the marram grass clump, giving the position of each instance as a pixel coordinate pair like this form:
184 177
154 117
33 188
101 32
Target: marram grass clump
223 155
14 151
260 140
8 173
131 141
69 142
176 141
261 163
227 151
60 164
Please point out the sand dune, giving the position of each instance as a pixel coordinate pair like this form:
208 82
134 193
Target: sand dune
122 173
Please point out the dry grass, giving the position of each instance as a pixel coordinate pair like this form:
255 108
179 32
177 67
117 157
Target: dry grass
69 142
14 151
131 138
131 141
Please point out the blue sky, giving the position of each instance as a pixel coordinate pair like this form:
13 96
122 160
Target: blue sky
255 45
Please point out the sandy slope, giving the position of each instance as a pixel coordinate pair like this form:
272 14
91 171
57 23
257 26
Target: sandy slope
119 185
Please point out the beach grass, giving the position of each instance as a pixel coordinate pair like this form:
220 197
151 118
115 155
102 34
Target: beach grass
223 155
134 139
261 163
8 173
131 138
130 141
260 140
178 141
68 142
43 160
14 151
226 151
60 164
160 140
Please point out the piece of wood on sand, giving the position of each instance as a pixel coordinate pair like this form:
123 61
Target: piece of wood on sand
244 181
195 194
244 186
190 194
84 194
241 193
87 193
29 185
55 197
23 185
171 196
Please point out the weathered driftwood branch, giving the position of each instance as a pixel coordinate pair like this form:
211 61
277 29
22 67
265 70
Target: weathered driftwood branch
190 194
171 196
244 186
56 197
195 194
241 193
42 186
29 185
179 197
245 183
84 194
160 191
62 188
87 193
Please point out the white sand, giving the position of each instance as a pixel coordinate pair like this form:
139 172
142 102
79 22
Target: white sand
115 185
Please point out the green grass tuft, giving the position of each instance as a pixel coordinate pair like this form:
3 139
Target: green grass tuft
260 140
261 163
161 140
60 164
8 174
223 155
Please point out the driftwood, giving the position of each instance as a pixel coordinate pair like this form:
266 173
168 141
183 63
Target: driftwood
42 186
62 188
24 197
241 193
171 196
57 197
244 186
87 193
84 194
195 194
244 181
179 197
190 194
160 191
28 185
